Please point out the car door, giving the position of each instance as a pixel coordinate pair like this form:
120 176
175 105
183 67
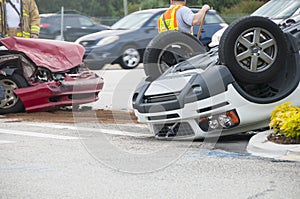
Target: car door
149 30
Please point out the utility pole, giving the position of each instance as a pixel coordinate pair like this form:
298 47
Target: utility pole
125 7
62 24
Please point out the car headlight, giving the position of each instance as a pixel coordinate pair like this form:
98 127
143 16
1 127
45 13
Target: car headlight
43 75
225 120
107 40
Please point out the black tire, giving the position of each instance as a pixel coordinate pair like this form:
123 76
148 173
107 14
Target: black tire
167 49
11 103
254 49
130 57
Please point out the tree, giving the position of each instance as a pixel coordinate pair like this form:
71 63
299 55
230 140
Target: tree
114 8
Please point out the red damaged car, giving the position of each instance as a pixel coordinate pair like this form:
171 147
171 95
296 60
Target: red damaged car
39 75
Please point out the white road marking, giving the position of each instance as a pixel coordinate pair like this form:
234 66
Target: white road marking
124 133
6 142
94 130
76 128
34 134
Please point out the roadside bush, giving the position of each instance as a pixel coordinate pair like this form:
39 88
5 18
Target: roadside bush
285 119
242 8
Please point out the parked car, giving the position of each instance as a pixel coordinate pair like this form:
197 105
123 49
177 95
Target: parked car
276 10
125 42
40 75
75 26
229 90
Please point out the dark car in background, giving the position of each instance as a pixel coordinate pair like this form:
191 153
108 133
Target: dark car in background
126 40
75 26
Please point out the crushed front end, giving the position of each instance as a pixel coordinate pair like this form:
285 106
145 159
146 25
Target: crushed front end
52 90
40 75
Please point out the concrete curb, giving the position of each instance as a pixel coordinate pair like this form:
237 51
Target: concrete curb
260 146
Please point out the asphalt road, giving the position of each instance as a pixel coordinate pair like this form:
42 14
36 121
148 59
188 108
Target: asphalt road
65 161
102 160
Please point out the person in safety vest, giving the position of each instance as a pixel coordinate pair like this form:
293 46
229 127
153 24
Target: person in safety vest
180 17
19 18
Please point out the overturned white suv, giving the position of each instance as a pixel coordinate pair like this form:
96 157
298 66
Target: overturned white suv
227 90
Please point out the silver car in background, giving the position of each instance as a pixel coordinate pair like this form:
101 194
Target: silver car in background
276 10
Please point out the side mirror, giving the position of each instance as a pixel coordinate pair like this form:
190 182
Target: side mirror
150 28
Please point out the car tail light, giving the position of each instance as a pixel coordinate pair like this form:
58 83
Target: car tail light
225 120
45 25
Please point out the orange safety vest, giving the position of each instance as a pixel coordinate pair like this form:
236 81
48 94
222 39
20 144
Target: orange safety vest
168 21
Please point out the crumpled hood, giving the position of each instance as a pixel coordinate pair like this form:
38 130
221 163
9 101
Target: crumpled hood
52 54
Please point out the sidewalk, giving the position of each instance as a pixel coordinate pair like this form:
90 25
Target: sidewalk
260 146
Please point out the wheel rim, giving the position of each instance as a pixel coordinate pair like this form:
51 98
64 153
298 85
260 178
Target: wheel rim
10 98
255 50
131 57
177 51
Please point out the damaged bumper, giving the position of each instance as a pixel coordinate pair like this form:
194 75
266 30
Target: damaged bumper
201 104
73 90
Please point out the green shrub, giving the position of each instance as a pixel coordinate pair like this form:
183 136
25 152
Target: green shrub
285 119
246 7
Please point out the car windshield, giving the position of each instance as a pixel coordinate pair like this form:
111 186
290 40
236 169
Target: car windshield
278 9
132 21
213 19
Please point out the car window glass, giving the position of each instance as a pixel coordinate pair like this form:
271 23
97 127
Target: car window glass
213 19
277 9
132 21
72 21
50 20
153 21
43 20
85 21
287 11
54 20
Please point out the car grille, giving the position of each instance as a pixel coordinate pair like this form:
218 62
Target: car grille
160 98
161 117
173 130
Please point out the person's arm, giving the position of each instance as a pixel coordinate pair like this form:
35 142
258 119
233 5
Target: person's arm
34 20
199 16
